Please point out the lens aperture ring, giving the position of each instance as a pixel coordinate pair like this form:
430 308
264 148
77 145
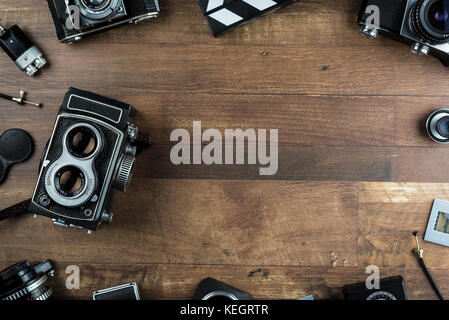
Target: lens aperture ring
45 296
24 291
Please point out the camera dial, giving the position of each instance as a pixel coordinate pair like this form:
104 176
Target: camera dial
437 126
124 173
430 20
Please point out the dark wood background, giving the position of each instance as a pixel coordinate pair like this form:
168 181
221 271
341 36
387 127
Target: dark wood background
357 173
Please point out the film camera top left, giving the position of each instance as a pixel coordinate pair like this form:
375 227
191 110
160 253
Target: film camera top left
90 154
77 19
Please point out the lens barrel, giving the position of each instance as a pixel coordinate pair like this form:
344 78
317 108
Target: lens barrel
437 126
96 4
430 20
25 282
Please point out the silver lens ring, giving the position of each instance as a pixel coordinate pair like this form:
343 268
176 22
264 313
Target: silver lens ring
91 128
432 123
222 294
23 292
97 8
111 7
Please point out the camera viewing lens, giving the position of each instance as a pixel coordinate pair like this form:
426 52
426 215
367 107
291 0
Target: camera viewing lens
69 181
82 142
96 4
430 19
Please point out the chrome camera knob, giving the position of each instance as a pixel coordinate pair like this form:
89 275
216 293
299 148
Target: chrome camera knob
124 173
420 49
107 217
369 32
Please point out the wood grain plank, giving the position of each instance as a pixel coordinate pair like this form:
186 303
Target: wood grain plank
220 67
389 212
205 222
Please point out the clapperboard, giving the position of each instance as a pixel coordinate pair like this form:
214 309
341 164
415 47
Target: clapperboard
225 15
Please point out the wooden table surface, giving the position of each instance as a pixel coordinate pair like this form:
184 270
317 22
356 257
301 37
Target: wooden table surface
357 173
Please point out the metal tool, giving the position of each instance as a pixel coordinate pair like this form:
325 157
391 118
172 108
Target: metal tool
20 99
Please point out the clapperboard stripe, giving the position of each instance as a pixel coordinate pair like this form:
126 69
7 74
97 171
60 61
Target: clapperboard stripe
225 15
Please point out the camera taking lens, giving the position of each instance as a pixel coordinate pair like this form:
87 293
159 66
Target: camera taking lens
437 126
96 4
69 181
25 282
430 19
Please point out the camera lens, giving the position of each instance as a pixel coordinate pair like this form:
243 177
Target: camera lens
25 282
437 126
70 181
439 16
96 4
82 142
430 20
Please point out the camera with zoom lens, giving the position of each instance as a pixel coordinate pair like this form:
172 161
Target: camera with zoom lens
23 281
422 24
91 153
76 19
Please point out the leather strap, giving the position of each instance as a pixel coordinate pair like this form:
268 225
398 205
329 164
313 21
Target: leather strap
14 210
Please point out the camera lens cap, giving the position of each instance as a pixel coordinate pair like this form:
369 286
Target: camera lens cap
16 146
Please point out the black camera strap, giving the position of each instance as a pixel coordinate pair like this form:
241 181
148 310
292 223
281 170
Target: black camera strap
15 210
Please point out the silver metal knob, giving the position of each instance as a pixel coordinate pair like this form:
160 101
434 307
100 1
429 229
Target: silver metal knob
107 217
369 32
420 49
124 173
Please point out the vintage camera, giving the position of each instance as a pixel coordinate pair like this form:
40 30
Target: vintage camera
214 290
23 281
437 126
91 153
392 288
423 24
76 19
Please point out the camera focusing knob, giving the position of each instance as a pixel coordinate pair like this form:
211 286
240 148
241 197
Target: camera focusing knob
107 217
369 32
124 173
420 49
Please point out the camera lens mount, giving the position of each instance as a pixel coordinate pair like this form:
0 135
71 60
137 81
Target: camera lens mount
25 282
437 126
430 20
